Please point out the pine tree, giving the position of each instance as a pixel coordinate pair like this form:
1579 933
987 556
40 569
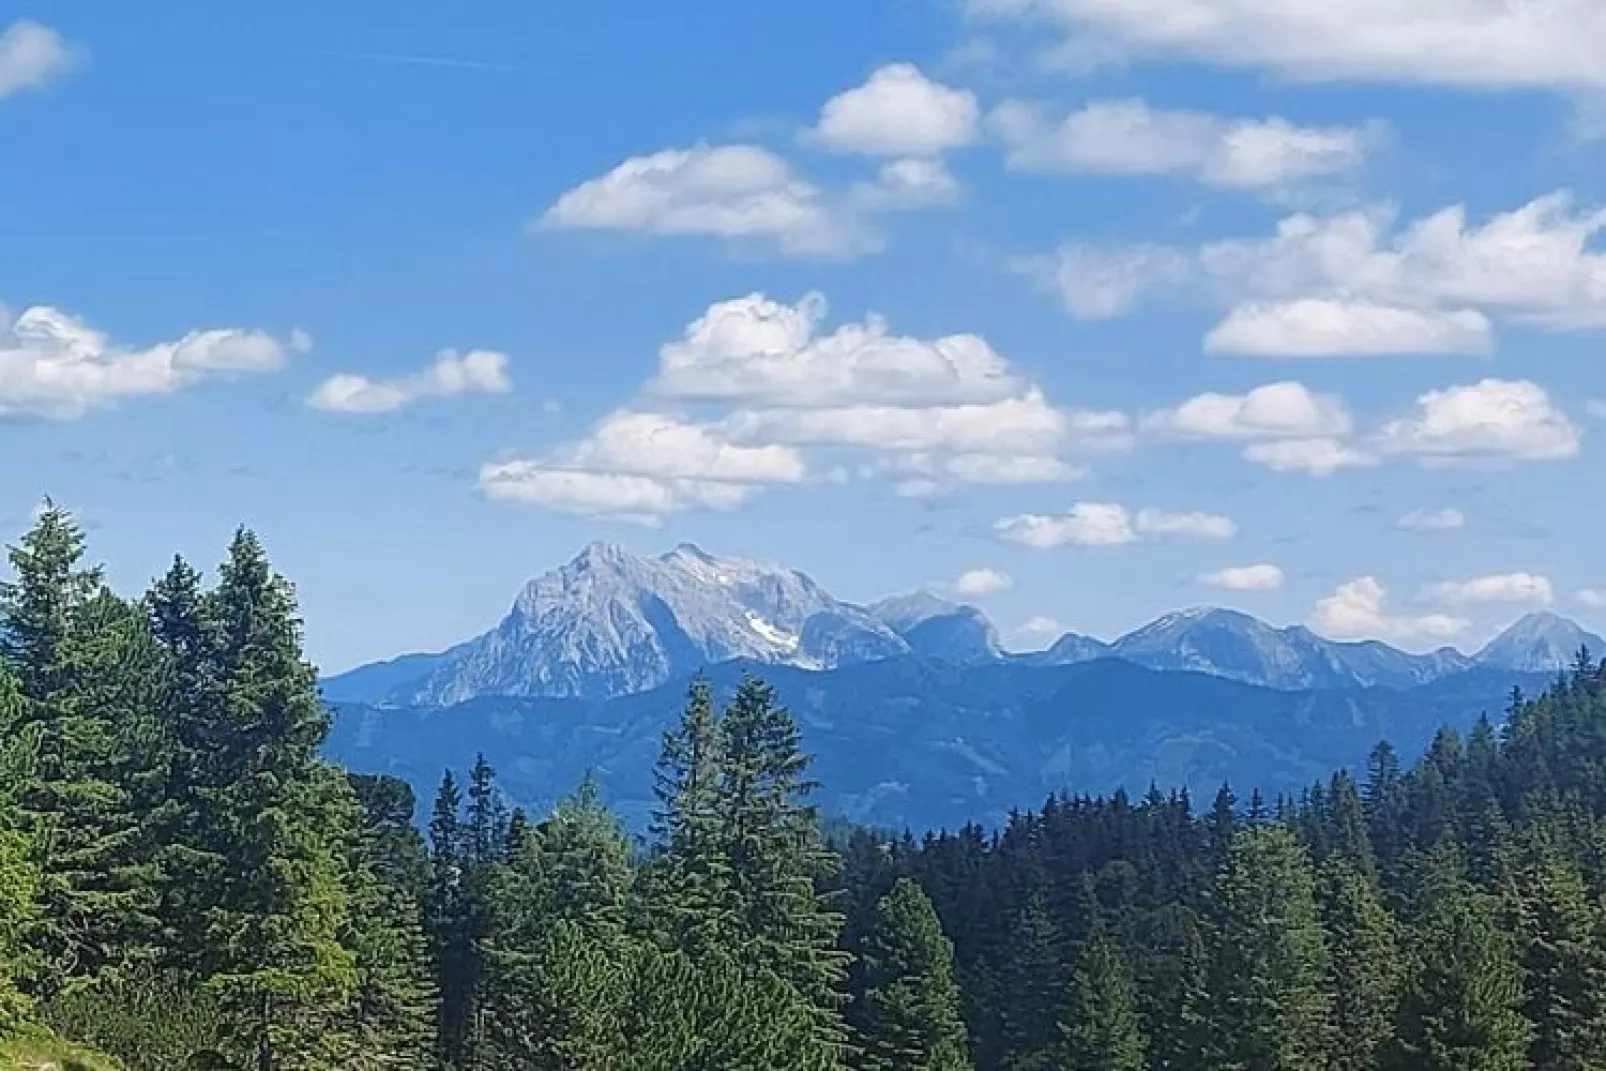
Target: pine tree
557 956
86 665
775 856
394 1004
910 1010
1558 928
1033 975
18 876
276 813
1103 1031
450 926
1463 1009
1366 971
1273 969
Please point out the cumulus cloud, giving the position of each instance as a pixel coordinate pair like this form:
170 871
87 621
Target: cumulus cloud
979 583
1324 327
1353 284
757 351
1436 520
724 191
640 466
1101 284
450 375
1314 457
1127 137
1505 587
1560 44
1283 410
1491 420
1039 631
897 112
1357 611
55 366
1107 524
1262 577
1289 428
31 57
912 182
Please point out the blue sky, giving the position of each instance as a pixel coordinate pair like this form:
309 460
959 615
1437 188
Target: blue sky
1105 307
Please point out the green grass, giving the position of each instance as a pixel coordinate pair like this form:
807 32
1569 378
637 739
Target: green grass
45 1052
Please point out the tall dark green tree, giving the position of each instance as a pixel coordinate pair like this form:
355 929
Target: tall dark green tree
1366 963
1272 984
1103 1030
911 1015
276 812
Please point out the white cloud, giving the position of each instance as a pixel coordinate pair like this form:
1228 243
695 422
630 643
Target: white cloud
1357 611
31 56
1534 263
1591 598
1559 44
641 465
1263 577
1127 137
1107 524
760 352
1282 410
1353 285
1506 587
1196 525
1005 469
979 583
1492 419
1325 327
898 112
1101 284
449 376
1291 428
726 191
1314 457
54 366
912 182
1023 426
1438 520
1040 630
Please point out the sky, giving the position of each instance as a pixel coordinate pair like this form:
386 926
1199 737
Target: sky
1082 310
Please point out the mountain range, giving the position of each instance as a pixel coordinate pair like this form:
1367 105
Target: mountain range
917 714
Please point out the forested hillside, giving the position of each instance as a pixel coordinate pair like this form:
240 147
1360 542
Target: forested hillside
186 882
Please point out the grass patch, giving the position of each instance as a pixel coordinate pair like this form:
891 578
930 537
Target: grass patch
45 1052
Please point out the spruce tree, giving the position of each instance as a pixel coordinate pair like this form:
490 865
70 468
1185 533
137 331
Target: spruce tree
1033 977
1102 1030
1463 1006
276 814
1273 969
910 1008
775 855
82 740
1366 964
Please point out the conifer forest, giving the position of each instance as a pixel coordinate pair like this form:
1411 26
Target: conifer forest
185 883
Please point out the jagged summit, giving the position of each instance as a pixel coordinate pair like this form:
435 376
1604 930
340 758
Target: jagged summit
610 622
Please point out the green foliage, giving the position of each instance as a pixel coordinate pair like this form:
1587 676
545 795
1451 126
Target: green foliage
1272 983
149 1021
1103 1031
911 1011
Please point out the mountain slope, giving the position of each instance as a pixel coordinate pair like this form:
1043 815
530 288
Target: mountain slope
1538 643
610 623
916 742
937 628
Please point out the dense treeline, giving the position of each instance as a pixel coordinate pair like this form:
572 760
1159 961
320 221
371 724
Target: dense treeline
185 883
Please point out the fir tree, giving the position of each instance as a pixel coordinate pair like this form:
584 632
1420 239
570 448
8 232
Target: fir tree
1103 1031
1272 980
911 999
1366 964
